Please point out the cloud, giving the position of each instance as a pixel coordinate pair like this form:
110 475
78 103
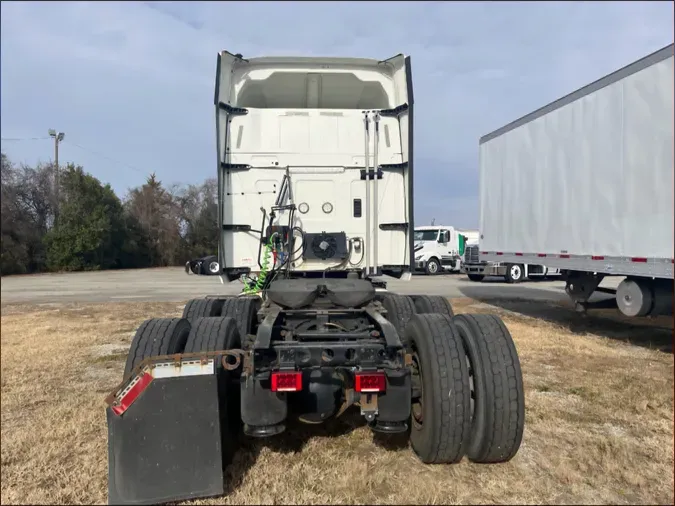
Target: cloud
134 81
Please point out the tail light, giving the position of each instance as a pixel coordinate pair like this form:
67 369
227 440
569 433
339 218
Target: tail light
286 381
370 382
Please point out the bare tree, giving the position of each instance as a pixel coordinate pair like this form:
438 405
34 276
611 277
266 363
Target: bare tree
27 215
158 214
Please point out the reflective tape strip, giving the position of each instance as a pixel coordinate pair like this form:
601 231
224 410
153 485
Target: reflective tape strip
183 369
129 394
640 260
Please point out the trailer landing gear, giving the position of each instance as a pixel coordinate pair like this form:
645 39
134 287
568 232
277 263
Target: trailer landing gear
309 349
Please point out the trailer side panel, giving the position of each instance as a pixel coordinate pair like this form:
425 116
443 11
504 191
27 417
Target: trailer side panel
592 177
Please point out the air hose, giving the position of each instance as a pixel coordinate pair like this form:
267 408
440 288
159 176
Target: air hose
264 269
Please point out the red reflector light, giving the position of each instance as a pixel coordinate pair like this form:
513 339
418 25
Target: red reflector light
564 256
638 259
370 382
132 394
286 381
541 255
519 254
499 253
597 258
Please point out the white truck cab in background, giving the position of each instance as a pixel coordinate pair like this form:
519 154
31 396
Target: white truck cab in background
438 248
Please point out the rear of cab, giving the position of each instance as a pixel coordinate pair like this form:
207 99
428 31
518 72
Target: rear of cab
306 117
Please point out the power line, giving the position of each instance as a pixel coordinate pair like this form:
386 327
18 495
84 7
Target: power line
145 173
24 138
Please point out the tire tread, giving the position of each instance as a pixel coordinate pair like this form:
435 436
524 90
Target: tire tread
450 429
433 304
400 309
504 391
242 310
200 308
154 337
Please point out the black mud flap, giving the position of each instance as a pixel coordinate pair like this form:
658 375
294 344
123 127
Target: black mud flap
167 445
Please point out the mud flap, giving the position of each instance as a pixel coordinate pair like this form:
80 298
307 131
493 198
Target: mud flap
167 445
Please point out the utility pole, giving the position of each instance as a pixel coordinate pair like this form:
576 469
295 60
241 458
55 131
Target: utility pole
58 137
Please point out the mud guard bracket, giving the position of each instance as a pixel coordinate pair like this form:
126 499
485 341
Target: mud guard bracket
167 446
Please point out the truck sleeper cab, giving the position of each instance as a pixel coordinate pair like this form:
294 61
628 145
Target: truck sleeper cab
295 132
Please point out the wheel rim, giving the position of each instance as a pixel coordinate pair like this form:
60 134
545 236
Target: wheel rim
417 408
433 267
515 272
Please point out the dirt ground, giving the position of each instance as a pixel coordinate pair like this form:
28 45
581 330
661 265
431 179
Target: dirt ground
599 419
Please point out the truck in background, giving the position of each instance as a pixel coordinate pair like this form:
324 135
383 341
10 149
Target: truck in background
477 268
438 248
585 185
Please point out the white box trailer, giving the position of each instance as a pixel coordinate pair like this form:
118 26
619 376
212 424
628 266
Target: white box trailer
585 184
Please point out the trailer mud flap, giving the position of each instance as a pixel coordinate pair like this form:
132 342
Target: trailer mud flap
167 445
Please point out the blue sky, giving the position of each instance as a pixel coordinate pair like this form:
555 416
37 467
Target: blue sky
131 84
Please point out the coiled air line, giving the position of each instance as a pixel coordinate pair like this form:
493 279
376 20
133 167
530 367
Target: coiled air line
259 284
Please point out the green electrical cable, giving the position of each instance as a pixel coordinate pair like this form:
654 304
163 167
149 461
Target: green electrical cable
264 269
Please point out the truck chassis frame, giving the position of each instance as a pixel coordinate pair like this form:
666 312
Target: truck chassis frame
252 363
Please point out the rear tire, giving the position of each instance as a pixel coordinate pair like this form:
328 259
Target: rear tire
441 422
202 308
213 334
400 309
155 337
218 334
425 304
515 273
475 277
244 311
499 400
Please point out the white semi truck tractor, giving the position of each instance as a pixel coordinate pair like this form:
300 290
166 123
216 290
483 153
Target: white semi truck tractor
315 188
438 248
585 185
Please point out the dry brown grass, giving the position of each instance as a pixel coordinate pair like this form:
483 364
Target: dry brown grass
599 422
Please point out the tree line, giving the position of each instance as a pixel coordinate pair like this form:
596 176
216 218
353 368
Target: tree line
86 226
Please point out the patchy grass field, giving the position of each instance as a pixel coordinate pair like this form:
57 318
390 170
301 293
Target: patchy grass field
599 420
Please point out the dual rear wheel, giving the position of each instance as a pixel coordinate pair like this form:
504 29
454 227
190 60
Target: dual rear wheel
467 388
206 325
